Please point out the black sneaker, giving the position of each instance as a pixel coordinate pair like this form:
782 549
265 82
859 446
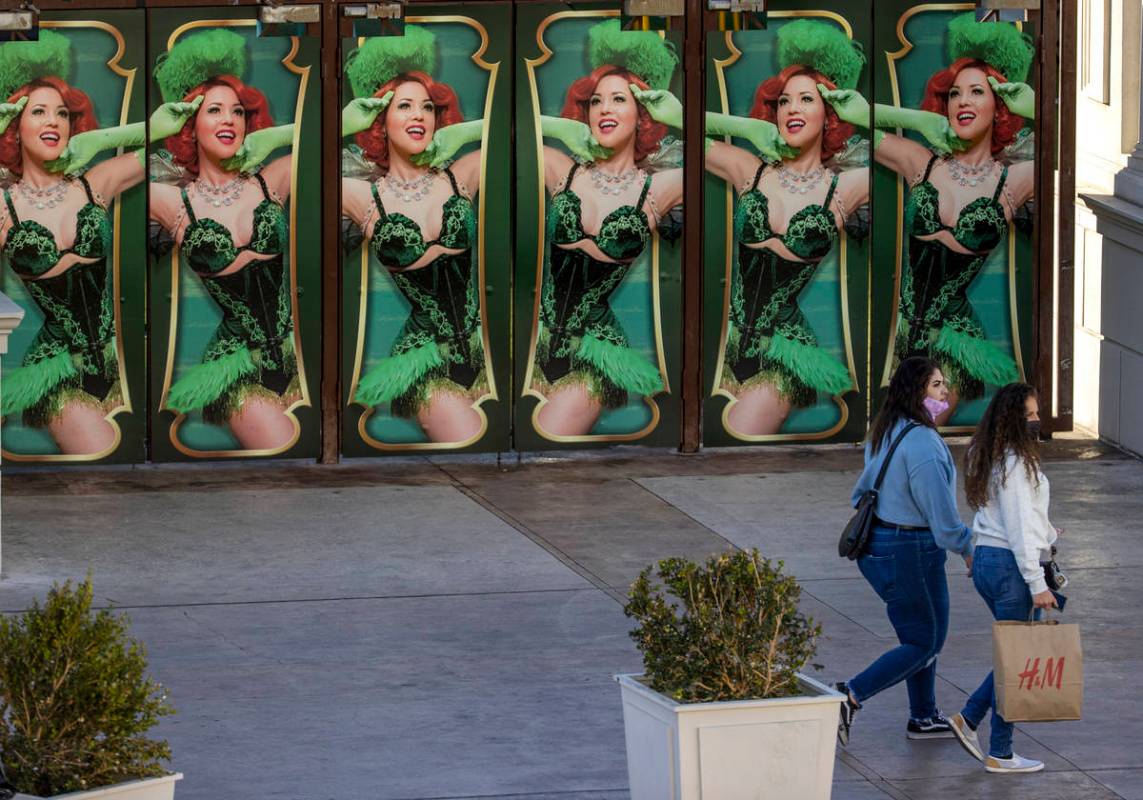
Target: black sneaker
937 727
848 711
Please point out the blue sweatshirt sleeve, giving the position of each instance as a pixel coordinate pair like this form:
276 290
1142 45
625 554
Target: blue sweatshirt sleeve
929 483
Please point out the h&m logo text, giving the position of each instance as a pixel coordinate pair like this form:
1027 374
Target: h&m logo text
1053 675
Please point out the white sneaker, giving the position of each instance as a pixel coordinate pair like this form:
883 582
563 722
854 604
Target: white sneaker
1014 764
966 736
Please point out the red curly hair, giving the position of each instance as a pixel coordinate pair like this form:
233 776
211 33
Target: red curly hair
184 147
835 133
80 111
373 141
648 133
1005 124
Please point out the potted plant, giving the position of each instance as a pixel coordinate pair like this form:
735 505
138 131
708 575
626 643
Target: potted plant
722 709
75 703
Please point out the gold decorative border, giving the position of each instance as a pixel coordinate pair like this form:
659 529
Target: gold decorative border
893 58
529 391
493 69
303 73
124 389
843 271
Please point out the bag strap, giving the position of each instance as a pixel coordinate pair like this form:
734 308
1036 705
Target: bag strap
889 455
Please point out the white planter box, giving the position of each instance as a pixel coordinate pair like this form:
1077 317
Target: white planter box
162 788
741 750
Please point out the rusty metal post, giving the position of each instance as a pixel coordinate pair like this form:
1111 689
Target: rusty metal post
694 94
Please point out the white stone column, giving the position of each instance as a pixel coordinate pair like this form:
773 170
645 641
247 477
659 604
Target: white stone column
10 316
1119 220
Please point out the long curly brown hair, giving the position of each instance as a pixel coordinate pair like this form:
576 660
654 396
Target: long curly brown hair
1003 428
905 398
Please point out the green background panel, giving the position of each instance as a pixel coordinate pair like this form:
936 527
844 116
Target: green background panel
821 300
632 300
386 308
989 293
92 48
198 315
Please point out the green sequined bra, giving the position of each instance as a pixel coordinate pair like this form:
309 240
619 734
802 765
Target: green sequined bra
73 355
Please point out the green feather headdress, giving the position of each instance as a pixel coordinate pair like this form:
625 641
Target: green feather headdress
998 44
198 58
383 58
643 53
23 62
822 47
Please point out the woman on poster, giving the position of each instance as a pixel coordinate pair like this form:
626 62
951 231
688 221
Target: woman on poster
57 237
795 196
606 204
963 194
248 376
407 126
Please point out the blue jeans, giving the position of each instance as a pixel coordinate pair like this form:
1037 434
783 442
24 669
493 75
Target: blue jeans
907 570
999 582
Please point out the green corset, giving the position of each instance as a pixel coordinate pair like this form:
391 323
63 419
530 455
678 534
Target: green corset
209 248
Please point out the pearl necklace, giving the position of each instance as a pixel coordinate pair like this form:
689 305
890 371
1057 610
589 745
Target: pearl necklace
224 195
613 184
800 182
411 191
970 176
47 197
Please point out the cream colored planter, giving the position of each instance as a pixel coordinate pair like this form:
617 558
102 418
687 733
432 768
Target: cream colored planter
742 750
150 789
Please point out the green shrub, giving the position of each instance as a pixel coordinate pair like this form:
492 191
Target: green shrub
737 636
74 698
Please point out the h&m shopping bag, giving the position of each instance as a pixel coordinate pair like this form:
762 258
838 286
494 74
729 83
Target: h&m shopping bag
1038 671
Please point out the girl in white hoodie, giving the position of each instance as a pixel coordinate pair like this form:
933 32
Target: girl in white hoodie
1013 535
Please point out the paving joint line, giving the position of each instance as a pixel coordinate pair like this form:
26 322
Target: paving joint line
349 598
686 514
570 793
535 537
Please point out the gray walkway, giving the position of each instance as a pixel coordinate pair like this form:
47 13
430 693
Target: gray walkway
441 628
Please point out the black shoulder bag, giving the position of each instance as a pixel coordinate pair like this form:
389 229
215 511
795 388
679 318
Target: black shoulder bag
856 533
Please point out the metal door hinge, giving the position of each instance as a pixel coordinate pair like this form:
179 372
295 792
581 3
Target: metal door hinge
290 15
654 8
373 11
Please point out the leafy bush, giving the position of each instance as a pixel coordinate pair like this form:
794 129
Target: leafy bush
737 636
75 699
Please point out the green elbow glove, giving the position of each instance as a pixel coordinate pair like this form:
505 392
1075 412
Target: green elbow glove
934 127
661 105
575 136
359 114
448 140
83 147
765 136
258 146
1019 97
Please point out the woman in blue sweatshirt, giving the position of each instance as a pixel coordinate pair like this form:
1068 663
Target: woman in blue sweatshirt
917 521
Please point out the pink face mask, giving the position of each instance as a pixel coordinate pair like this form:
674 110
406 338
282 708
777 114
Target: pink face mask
935 407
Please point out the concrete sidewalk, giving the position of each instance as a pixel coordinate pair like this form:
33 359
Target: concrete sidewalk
422 629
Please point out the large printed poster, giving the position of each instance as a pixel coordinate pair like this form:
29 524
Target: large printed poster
71 168
600 213
228 177
788 192
426 236
955 174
